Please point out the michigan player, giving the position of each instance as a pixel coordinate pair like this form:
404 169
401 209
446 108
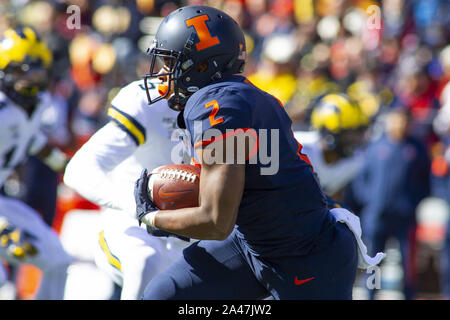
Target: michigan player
104 171
260 234
24 236
334 146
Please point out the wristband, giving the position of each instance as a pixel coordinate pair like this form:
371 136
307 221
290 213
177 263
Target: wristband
149 218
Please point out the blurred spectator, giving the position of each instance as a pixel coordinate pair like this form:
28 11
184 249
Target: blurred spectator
276 72
445 264
394 179
441 186
417 91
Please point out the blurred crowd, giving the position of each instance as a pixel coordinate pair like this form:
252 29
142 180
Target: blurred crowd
383 54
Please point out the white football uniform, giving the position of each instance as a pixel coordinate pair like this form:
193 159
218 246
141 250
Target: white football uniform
332 176
20 136
104 170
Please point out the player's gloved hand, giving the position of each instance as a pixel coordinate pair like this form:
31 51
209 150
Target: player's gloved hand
144 205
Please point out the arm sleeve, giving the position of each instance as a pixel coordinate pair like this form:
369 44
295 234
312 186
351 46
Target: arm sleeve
87 172
127 113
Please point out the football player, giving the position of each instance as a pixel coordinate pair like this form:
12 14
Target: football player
395 178
335 145
24 236
260 234
104 171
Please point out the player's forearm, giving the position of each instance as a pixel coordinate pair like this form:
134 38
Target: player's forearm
197 223
85 176
221 190
88 171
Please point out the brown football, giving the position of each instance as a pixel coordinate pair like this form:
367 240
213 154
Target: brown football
174 186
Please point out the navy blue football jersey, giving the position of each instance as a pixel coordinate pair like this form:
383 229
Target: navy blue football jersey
283 208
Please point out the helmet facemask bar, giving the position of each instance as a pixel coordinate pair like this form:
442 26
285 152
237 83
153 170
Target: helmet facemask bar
164 64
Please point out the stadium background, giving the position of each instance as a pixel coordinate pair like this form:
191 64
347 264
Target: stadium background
383 54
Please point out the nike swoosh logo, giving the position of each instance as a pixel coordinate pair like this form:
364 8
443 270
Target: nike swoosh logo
163 194
299 282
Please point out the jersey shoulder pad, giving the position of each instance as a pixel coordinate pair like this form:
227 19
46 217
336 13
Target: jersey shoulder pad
216 111
222 106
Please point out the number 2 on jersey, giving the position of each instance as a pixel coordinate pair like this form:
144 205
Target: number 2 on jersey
212 117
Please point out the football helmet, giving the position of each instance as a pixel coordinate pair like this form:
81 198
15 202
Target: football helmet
24 64
194 46
341 123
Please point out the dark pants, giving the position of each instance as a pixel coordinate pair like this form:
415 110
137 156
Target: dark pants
41 188
226 270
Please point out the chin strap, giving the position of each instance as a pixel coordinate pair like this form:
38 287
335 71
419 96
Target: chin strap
180 120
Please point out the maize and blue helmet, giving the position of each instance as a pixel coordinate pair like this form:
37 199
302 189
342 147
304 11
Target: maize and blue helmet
24 64
340 122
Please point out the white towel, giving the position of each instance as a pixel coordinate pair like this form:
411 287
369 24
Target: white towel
352 221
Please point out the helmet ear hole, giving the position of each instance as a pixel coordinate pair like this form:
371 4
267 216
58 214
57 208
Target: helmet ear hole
202 67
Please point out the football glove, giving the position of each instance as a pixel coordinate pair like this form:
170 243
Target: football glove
145 206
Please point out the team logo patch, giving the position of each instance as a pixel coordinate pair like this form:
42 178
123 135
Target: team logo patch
206 39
